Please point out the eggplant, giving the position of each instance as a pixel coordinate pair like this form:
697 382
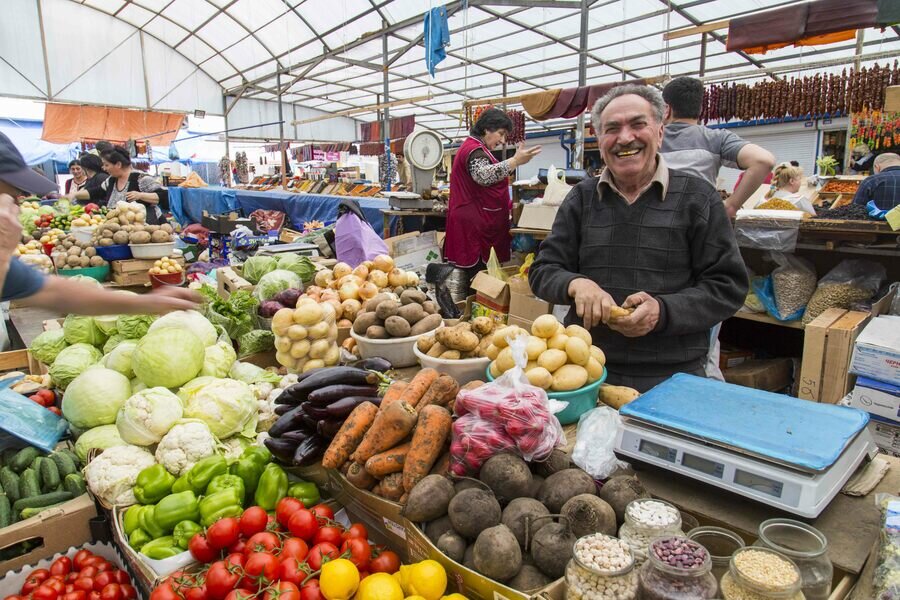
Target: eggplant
342 408
309 451
293 419
326 395
297 436
282 449
328 428
326 377
280 409
316 412
374 364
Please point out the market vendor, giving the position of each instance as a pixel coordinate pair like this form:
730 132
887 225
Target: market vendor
479 211
882 188
642 236
93 170
862 159
125 183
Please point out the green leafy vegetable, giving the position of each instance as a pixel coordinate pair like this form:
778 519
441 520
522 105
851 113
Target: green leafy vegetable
235 314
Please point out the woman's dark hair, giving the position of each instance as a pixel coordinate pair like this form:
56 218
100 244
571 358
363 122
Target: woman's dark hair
119 154
103 146
91 162
74 163
491 120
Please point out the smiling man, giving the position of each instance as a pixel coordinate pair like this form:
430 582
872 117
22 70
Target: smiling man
646 237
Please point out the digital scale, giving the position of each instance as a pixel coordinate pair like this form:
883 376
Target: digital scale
788 453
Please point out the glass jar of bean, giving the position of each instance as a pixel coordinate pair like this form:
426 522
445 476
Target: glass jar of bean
761 574
601 568
645 520
676 569
804 545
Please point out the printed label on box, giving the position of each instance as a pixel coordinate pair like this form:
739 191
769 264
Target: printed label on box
394 528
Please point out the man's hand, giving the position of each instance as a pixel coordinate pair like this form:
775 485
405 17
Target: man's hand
591 303
644 318
10 228
167 299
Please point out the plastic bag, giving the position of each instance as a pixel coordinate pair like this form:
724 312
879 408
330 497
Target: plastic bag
27 421
755 235
493 267
852 281
793 284
355 241
506 414
596 440
752 303
557 188
887 569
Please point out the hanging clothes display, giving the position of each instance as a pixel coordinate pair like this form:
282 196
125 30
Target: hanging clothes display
437 37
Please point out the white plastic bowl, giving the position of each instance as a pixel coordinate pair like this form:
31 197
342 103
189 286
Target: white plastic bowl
83 234
152 250
463 370
400 352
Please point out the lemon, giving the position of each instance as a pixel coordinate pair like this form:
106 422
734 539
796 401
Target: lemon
427 579
414 598
402 577
454 597
339 579
379 586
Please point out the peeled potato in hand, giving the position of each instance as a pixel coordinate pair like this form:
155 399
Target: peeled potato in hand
617 312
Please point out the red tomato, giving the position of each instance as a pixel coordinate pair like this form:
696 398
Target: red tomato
93 561
88 572
356 530
56 585
223 533
128 592
14 597
289 570
103 566
33 582
294 548
317 552
71 577
103 579
253 521
285 508
261 566
55 410
44 592
112 591
311 591
121 577
70 588
84 583
265 541
80 557
329 534
303 525
283 590
386 562
323 511
61 566
94 595
239 546
164 591
75 595
236 561
196 592
240 595
360 552
221 579
201 550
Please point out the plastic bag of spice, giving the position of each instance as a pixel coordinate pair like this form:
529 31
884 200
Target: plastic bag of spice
793 284
850 282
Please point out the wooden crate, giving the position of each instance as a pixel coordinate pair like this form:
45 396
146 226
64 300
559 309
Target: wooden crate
20 360
134 265
229 280
827 348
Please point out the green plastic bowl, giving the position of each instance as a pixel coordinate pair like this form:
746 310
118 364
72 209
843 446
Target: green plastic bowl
100 273
580 401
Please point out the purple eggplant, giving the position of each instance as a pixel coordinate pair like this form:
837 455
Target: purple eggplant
309 451
282 449
374 364
293 419
316 412
297 436
280 409
326 377
328 428
342 408
326 395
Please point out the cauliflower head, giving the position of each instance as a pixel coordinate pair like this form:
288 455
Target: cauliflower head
112 475
148 415
185 444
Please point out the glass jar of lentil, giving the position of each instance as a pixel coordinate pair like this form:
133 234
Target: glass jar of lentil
676 569
586 580
645 520
761 574
807 547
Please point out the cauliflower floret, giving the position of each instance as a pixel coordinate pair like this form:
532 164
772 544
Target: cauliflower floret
147 415
267 416
261 438
288 380
232 448
184 445
112 475
262 389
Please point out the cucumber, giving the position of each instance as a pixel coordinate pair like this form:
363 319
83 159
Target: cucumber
29 484
7 455
43 500
36 466
23 459
49 475
10 482
64 463
5 511
74 484
27 513
72 456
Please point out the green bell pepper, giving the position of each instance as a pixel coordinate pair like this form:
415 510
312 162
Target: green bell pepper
182 484
220 482
204 470
258 453
153 484
131 520
184 531
227 502
175 508
306 492
149 523
273 486
138 538
161 548
249 470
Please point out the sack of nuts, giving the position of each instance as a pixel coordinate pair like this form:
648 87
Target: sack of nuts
850 282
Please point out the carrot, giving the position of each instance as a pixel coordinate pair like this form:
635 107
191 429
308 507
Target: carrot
388 429
427 444
441 392
442 466
359 477
387 462
392 487
350 435
418 386
394 391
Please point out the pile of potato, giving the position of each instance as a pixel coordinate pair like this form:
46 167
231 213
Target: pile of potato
366 280
166 266
389 316
560 359
72 254
463 340
125 225
306 336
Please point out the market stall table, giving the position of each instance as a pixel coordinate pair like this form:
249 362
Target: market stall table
398 215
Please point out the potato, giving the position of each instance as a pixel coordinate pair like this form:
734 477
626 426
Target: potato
451 355
535 347
96 261
373 303
140 237
481 348
363 322
319 330
594 370
413 297
429 499
436 350
73 261
429 307
495 370
377 332
617 396
531 364
579 332
386 309
597 354
558 341
457 338
282 320
286 359
85 261
159 237
90 251
297 332
577 351
482 325
510 332
120 237
424 344
552 359
497 553
568 378
300 349
412 313
105 242
545 326
539 377
313 364
505 360
427 324
318 349
397 327
283 344
492 351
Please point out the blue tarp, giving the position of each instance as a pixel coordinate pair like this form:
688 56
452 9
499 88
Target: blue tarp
188 205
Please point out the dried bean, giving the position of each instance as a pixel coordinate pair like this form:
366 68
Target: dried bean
833 295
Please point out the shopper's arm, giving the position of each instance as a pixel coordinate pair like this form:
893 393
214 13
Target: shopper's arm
10 233
77 298
757 163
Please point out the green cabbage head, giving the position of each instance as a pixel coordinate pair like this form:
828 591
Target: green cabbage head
83 330
190 389
218 359
95 397
257 266
107 324
276 281
112 342
227 406
148 415
133 327
137 385
119 359
190 320
47 346
72 362
103 437
168 357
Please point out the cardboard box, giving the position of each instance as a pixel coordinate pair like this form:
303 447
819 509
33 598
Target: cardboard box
55 530
732 357
812 369
877 398
523 303
771 375
537 216
841 338
491 292
11 581
886 434
224 224
418 261
523 323
877 351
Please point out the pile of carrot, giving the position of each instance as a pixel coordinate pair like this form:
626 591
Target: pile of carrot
388 449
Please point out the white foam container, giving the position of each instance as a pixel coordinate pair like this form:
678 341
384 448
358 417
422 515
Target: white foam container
400 352
152 250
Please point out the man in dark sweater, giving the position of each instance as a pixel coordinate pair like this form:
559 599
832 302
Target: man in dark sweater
645 237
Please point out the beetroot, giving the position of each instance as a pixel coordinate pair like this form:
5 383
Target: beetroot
268 308
288 297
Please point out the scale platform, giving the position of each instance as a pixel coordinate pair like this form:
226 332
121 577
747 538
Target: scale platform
793 454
